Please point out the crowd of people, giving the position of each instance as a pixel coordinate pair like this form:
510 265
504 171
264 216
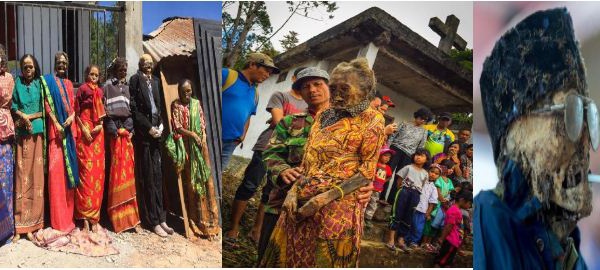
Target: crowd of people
330 161
57 133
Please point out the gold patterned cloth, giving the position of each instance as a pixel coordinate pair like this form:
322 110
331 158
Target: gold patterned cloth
333 154
29 184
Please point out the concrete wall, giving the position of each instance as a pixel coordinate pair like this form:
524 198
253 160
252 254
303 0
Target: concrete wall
130 35
405 107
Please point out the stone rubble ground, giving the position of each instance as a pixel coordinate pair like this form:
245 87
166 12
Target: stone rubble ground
136 250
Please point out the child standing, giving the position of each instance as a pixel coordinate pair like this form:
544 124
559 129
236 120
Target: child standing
453 232
383 173
412 177
443 186
428 201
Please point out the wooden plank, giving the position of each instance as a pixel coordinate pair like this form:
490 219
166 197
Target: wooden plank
186 221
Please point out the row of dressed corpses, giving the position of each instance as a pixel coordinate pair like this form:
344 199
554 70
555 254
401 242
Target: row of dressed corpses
52 137
329 162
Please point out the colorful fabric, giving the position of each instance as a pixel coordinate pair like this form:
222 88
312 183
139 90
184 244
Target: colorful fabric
77 242
408 137
7 127
437 139
122 203
455 219
330 238
7 223
445 186
61 197
192 118
382 174
200 192
88 196
60 103
285 150
286 102
176 151
332 116
90 97
29 184
28 100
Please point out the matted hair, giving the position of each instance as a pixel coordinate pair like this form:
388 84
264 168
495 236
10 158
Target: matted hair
89 69
359 66
59 54
35 64
118 62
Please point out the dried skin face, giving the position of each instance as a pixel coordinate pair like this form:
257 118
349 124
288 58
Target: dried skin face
60 66
345 91
556 167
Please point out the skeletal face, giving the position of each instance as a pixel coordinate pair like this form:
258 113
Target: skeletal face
557 168
60 66
345 91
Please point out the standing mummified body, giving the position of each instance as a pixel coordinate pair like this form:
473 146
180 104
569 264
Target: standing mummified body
536 102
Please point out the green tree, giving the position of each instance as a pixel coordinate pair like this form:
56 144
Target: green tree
464 58
249 29
103 39
289 41
269 50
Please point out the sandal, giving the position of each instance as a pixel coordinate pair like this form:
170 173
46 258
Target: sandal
233 242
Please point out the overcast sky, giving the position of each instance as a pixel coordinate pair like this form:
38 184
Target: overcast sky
415 15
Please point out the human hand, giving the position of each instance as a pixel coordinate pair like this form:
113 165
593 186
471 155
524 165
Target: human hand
28 125
86 134
364 194
96 130
68 121
290 205
153 132
197 139
391 128
290 175
428 217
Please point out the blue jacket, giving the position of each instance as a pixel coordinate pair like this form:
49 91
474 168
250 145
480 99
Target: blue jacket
509 233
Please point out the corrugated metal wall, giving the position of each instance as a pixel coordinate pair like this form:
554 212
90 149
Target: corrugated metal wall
208 51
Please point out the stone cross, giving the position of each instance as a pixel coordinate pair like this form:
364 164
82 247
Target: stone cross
448 33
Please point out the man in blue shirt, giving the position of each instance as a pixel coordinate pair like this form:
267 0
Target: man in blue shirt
240 98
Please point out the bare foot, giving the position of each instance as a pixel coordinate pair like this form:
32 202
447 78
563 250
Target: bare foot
96 227
254 236
232 234
137 228
30 236
16 238
86 225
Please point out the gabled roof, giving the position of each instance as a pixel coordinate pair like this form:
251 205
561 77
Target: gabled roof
406 62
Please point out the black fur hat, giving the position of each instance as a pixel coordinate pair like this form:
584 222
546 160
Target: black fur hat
529 63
